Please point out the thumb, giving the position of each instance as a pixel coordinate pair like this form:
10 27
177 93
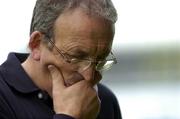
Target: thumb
58 83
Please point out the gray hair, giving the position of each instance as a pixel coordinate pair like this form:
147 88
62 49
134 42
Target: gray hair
47 11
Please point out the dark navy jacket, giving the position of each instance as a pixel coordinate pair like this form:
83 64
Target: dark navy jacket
21 99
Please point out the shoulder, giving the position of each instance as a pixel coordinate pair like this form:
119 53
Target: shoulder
3 85
5 90
105 93
5 108
109 103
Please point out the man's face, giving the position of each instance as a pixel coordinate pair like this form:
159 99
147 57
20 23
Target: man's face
82 37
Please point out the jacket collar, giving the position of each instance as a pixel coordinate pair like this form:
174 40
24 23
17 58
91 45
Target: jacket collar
14 74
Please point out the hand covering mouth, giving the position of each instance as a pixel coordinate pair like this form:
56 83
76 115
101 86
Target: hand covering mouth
76 78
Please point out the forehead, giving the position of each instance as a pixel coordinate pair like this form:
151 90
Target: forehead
77 29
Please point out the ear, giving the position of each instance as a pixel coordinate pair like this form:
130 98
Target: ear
34 44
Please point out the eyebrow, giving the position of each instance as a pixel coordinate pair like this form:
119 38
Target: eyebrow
79 53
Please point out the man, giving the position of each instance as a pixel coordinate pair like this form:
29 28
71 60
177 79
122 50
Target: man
70 45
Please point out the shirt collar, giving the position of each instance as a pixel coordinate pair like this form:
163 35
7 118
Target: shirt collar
14 74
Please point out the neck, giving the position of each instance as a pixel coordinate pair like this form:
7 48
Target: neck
39 75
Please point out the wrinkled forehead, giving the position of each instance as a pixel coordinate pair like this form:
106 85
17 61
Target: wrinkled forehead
77 21
80 20
77 29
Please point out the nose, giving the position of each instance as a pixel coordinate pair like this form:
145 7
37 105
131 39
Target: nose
92 75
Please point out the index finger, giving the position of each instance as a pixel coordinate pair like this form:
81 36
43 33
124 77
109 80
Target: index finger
58 83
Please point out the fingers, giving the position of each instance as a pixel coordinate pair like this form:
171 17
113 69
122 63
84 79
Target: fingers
57 78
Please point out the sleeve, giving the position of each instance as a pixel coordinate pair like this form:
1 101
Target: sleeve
62 116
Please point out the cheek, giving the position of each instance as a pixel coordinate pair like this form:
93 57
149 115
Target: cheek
47 58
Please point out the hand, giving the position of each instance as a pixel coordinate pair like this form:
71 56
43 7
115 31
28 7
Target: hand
79 100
